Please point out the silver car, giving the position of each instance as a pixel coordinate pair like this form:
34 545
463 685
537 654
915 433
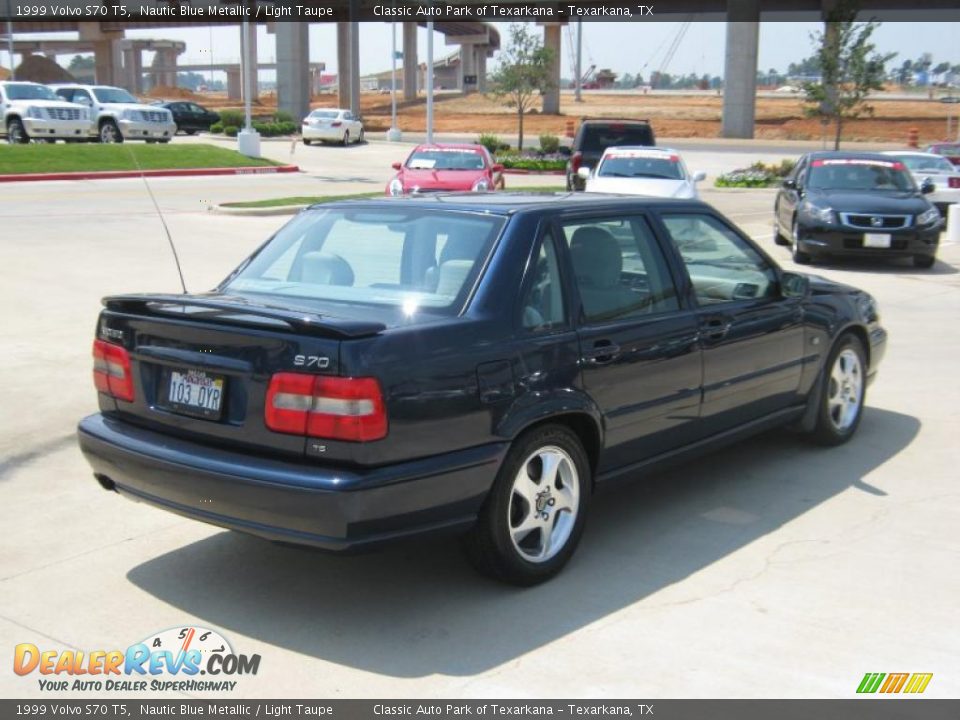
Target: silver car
332 125
944 175
119 115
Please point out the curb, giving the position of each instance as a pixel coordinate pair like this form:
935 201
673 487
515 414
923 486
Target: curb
173 172
255 211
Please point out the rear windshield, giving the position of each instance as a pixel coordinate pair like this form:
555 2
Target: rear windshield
664 168
858 174
325 114
948 150
445 160
113 95
926 163
27 91
597 138
405 257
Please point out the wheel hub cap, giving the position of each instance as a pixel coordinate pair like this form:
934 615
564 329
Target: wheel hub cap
544 502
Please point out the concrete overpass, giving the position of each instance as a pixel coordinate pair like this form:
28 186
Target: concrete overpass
479 41
118 59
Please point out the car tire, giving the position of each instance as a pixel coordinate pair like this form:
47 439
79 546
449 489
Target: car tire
190 132
16 133
532 520
778 237
346 138
110 133
360 137
176 129
799 257
924 261
164 141
842 392
306 141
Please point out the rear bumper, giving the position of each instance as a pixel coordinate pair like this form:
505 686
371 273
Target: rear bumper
849 242
300 503
325 134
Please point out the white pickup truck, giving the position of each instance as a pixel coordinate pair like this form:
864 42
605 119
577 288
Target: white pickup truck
118 115
33 112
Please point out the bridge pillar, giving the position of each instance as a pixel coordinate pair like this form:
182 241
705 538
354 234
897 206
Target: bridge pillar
293 68
234 84
468 67
133 69
482 69
106 52
740 69
410 64
551 41
354 63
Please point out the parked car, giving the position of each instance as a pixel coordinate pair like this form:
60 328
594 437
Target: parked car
30 111
189 117
118 115
332 125
446 166
655 172
855 204
938 170
596 135
472 362
951 151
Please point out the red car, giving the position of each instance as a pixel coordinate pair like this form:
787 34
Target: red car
447 166
951 151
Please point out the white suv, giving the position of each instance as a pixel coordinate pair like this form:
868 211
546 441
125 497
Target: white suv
119 115
31 112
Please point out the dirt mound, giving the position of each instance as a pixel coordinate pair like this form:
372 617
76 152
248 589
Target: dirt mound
42 70
165 92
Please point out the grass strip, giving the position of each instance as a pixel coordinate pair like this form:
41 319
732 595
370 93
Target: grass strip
93 157
315 199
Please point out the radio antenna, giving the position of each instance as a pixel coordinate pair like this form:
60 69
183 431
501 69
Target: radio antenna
156 205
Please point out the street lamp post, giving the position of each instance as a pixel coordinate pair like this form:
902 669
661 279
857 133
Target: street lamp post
430 82
393 134
248 139
13 74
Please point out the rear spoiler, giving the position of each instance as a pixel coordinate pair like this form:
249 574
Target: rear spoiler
237 311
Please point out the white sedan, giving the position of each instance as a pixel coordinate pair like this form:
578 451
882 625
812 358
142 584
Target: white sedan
651 171
944 175
332 125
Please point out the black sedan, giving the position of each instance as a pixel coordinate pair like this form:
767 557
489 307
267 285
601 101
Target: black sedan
190 117
467 362
856 204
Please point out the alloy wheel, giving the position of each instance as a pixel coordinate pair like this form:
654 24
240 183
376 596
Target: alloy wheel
845 390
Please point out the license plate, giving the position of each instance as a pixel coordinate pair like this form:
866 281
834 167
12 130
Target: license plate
195 392
876 240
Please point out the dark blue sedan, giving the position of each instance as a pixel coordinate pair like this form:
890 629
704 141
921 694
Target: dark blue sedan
471 362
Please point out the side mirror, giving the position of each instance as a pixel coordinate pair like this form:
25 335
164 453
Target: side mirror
927 186
699 176
789 184
396 166
497 167
583 173
794 285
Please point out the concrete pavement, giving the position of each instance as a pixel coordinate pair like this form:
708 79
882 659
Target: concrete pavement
772 569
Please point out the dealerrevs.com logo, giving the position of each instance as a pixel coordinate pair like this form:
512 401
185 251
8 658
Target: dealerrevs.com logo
184 659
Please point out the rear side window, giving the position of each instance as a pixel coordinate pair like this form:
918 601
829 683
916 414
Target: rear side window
409 258
597 138
619 269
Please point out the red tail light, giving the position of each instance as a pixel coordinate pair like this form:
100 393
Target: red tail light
575 161
954 182
336 123
335 408
111 370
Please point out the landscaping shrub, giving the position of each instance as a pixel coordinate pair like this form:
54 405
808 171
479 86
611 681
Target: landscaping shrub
490 142
549 144
231 117
758 175
217 127
532 162
282 116
231 130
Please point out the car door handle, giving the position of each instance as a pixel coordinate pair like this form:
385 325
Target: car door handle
602 352
716 328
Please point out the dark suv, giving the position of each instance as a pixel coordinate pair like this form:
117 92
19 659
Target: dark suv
472 362
596 135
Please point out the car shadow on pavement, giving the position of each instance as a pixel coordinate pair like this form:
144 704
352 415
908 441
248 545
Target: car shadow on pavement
419 609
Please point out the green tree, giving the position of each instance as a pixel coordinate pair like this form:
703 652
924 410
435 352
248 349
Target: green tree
79 62
849 66
523 73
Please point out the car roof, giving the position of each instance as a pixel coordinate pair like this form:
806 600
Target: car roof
641 148
842 154
336 110
613 121
510 203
